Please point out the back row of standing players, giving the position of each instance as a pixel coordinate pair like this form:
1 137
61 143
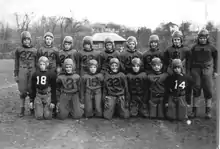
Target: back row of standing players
155 83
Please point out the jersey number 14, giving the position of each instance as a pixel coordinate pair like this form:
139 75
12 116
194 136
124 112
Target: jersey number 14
182 85
42 80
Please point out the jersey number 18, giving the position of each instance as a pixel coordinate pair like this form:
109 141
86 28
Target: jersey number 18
42 80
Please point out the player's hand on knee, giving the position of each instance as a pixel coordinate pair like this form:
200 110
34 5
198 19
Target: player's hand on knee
52 106
166 105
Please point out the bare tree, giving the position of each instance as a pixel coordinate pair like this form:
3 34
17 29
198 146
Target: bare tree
23 21
52 21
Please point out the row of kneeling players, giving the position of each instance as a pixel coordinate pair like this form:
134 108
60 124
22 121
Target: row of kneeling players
130 84
154 95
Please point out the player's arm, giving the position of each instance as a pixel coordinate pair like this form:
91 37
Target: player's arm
16 64
82 88
166 59
58 62
58 88
78 58
125 84
168 88
215 59
145 87
33 87
187 63
53 78
122 62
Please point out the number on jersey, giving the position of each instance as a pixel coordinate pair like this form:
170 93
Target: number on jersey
41 80
182 85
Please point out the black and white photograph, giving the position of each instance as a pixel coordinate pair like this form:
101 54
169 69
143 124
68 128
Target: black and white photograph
119 74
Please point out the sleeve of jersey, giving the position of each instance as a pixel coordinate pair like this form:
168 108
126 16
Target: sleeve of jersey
78 61
82 89
33 87
36 59
188 56
127 95
215 59
39 53
58 87
53 88
58 62
122 62
167 89
16 65
166 59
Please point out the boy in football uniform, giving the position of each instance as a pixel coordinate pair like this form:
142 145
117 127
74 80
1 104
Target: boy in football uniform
50 52
68 52
91 90
43 93
204 60
68 87
137 89
154 51
108 54
176 86
25 66
115 92
156 83
130 53
178 51
87 54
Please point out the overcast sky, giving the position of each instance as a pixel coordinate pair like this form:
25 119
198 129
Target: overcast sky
132 13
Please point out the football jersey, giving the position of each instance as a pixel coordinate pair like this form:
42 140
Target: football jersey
43 82
177 84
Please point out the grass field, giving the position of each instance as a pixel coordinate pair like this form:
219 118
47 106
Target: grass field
135 133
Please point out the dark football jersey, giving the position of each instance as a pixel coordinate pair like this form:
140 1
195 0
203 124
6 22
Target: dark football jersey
105 59
148 56
176 84
72 54
203 54
126 58
137 83
115 84
25 57
157 82
52 54
84 57
43 82
68 83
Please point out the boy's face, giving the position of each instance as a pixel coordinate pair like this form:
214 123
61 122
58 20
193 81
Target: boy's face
87 47
26 42
177 41
153 44
109 46
67 46
114 67
131 45
156 67
42 66
202 40
136 68
69 69
48 40
177 70
92 69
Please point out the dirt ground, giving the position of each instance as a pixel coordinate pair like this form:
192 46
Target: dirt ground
135 133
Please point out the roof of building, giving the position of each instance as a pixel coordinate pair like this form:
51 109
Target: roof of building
103 36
